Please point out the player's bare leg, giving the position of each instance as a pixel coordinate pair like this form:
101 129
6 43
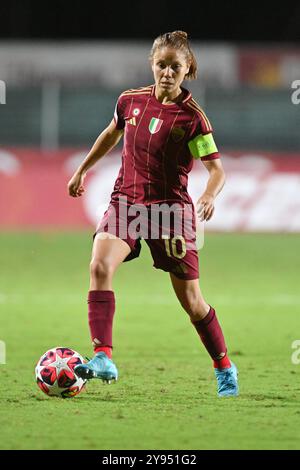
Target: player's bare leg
108 253
190 297
204 319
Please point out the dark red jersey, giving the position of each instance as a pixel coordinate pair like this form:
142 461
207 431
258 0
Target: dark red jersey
160 143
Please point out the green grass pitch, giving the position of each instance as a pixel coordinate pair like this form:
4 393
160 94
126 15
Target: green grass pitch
166 394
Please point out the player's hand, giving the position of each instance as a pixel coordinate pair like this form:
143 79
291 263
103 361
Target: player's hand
75 185
205 207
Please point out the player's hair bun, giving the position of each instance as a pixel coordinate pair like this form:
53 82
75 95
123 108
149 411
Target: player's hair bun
181 34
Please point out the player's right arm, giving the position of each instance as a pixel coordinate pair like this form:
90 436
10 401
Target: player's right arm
106 141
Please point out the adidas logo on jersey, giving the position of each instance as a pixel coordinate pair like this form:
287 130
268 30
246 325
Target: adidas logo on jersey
132 121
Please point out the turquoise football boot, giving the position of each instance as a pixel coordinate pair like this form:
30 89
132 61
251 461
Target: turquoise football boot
100 367
227 381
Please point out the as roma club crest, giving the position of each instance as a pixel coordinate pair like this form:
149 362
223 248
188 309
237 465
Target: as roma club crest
177 133
155 125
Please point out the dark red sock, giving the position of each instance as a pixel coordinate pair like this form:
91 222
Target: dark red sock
105 349
212 337
101 309
223 363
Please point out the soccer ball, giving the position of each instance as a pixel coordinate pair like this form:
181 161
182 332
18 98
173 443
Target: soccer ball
55 374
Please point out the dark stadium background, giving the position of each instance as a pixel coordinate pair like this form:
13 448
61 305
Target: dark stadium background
213 21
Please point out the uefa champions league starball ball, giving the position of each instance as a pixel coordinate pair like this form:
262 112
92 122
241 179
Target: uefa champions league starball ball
55 374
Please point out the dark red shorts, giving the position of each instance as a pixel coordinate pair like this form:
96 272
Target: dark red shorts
171 237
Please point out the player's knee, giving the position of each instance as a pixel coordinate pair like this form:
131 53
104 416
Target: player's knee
100 269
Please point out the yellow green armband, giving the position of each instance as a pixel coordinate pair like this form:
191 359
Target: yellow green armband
202 145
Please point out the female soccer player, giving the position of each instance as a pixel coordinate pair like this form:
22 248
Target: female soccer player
164 129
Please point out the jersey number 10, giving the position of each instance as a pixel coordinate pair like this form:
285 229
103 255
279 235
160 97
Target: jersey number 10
171 247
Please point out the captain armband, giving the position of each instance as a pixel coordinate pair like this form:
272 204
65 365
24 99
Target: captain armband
202 145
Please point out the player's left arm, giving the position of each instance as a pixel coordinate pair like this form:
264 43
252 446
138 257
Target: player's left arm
202 146
205 204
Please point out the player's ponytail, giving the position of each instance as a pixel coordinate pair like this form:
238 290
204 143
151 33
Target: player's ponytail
177 40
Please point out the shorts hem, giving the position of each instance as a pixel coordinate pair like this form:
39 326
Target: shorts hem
183 276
